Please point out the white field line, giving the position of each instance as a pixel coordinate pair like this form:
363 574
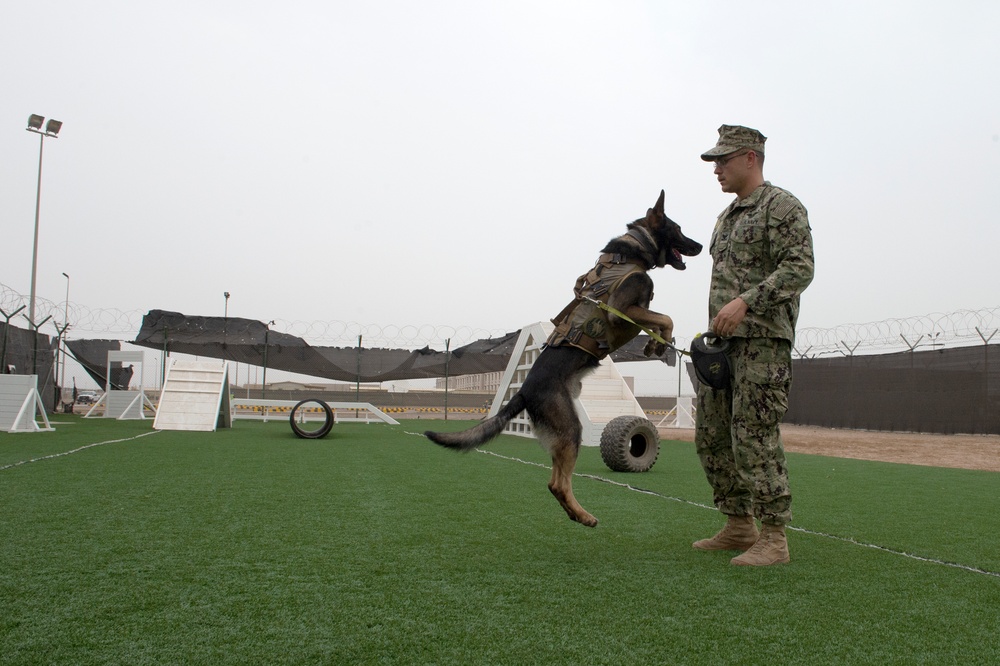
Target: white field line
891 551
77 450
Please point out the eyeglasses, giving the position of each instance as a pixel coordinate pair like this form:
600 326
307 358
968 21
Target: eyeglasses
723 161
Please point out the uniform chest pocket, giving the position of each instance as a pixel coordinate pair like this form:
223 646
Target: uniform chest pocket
749 234
719 245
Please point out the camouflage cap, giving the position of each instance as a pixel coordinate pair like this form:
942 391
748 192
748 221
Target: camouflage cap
733 138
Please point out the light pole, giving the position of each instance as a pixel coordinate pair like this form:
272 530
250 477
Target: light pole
51 130
62 382
225 333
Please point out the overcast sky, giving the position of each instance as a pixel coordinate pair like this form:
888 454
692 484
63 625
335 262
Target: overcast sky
461 163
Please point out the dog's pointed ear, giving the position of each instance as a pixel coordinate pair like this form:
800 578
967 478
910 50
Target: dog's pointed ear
656 212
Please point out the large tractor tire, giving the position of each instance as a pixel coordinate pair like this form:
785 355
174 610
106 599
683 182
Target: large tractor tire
630 444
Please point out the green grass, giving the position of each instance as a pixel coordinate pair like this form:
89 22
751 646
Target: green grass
373 546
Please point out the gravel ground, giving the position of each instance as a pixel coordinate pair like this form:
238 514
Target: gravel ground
959 451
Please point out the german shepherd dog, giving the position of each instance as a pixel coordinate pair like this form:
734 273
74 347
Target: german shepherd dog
555 378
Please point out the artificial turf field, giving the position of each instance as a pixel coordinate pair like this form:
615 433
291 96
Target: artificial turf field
373 546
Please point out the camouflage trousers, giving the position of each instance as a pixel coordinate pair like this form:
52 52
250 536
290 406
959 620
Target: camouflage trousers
738 436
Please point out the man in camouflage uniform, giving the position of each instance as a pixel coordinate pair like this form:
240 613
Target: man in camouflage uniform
762 260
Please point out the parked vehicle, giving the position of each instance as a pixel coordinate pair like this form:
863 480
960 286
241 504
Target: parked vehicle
86 397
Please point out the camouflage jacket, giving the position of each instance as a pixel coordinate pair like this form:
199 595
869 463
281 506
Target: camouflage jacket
762 252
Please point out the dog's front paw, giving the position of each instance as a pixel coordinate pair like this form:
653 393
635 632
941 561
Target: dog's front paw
654 348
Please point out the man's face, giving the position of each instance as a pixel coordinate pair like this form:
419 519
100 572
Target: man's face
733 170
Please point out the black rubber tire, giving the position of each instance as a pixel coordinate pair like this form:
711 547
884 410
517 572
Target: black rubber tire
630 444
312 434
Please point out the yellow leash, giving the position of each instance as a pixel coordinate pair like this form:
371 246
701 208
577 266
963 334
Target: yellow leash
621 315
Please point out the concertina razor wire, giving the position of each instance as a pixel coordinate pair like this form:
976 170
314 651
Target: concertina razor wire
930 331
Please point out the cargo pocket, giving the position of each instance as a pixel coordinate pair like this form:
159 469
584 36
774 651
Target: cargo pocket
768 370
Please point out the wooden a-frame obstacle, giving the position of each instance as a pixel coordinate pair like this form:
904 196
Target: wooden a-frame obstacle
195 396
604 396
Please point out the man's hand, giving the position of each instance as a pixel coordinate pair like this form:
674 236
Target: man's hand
729 317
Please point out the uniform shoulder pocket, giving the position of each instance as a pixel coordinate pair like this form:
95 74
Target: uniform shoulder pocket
783 205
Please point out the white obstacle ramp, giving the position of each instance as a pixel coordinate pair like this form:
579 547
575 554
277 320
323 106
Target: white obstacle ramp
604 395
195 396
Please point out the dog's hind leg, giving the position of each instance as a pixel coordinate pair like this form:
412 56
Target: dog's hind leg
564 454
548 393
561 434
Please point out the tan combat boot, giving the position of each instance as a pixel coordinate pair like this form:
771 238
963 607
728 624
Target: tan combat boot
771 548
739 533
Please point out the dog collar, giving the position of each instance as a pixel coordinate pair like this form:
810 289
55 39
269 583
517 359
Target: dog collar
647 246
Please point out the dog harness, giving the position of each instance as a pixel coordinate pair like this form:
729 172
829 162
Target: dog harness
583 323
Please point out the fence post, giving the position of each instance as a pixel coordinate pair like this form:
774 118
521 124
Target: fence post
357 384
34 342
986 374
57 383
680 364
447 379
163 359
912 347
263 384
3 350
851 380
850 350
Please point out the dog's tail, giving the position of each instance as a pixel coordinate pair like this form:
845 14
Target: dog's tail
478 435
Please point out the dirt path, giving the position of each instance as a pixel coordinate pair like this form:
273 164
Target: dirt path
959 451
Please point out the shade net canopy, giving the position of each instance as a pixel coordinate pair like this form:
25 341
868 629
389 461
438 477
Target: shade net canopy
93 356
250 341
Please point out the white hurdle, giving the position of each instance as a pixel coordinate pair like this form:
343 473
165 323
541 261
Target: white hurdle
20 403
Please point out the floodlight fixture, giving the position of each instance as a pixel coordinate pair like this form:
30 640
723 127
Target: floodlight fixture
52 127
